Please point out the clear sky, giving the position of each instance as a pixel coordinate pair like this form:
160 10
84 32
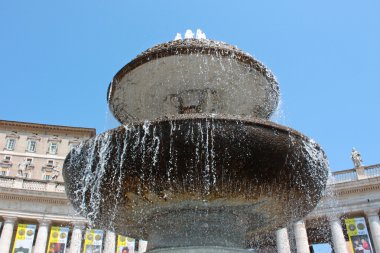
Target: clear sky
58 57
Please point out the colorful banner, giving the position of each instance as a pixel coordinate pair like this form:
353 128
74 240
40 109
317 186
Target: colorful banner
24 238
358 235
125 244
93 241
58 240
142 246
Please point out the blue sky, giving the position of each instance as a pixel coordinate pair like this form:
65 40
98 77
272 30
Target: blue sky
58 57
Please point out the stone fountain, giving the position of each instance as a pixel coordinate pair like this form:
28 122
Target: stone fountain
196 165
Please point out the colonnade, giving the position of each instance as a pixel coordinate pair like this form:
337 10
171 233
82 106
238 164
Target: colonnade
282 237
338 239
78 229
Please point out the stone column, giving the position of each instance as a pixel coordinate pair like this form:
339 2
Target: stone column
374 226
6 235
76 237
339 243
109 243
300 234
42 236
282 241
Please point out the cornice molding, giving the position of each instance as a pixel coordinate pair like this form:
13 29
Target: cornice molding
49 200
89 131
356 187
32 155
68 218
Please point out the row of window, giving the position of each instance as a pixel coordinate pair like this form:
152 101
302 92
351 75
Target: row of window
45 176
27 161
25 167
32 146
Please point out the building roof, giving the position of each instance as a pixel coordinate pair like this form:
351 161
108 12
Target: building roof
82 130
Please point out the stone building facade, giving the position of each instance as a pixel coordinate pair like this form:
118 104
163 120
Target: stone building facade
353 193
37 151
31 183
32 192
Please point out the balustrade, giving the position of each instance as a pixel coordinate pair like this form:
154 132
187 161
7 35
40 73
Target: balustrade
345 176
372 171
7 182
353 174
29 184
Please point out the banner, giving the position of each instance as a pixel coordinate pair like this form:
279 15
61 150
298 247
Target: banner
358 235
93 241
24 238
125 244
58 240
142 246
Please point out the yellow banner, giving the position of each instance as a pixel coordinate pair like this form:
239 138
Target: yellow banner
358 234
351 227
125 244
24 238
58 240
93 241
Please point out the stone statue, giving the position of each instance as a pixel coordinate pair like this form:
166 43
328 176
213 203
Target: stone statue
22 168
55 174
356 158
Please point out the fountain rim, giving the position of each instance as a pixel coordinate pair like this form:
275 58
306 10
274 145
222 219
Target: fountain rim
249 120
188 47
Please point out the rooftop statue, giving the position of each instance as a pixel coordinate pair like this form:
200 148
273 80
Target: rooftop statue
356 158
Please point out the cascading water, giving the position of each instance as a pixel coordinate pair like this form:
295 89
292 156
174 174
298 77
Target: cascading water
196 167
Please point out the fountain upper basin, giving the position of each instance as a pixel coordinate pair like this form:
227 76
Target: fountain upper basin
196 179
192 76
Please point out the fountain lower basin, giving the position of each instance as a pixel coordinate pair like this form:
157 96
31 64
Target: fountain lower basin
196 179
